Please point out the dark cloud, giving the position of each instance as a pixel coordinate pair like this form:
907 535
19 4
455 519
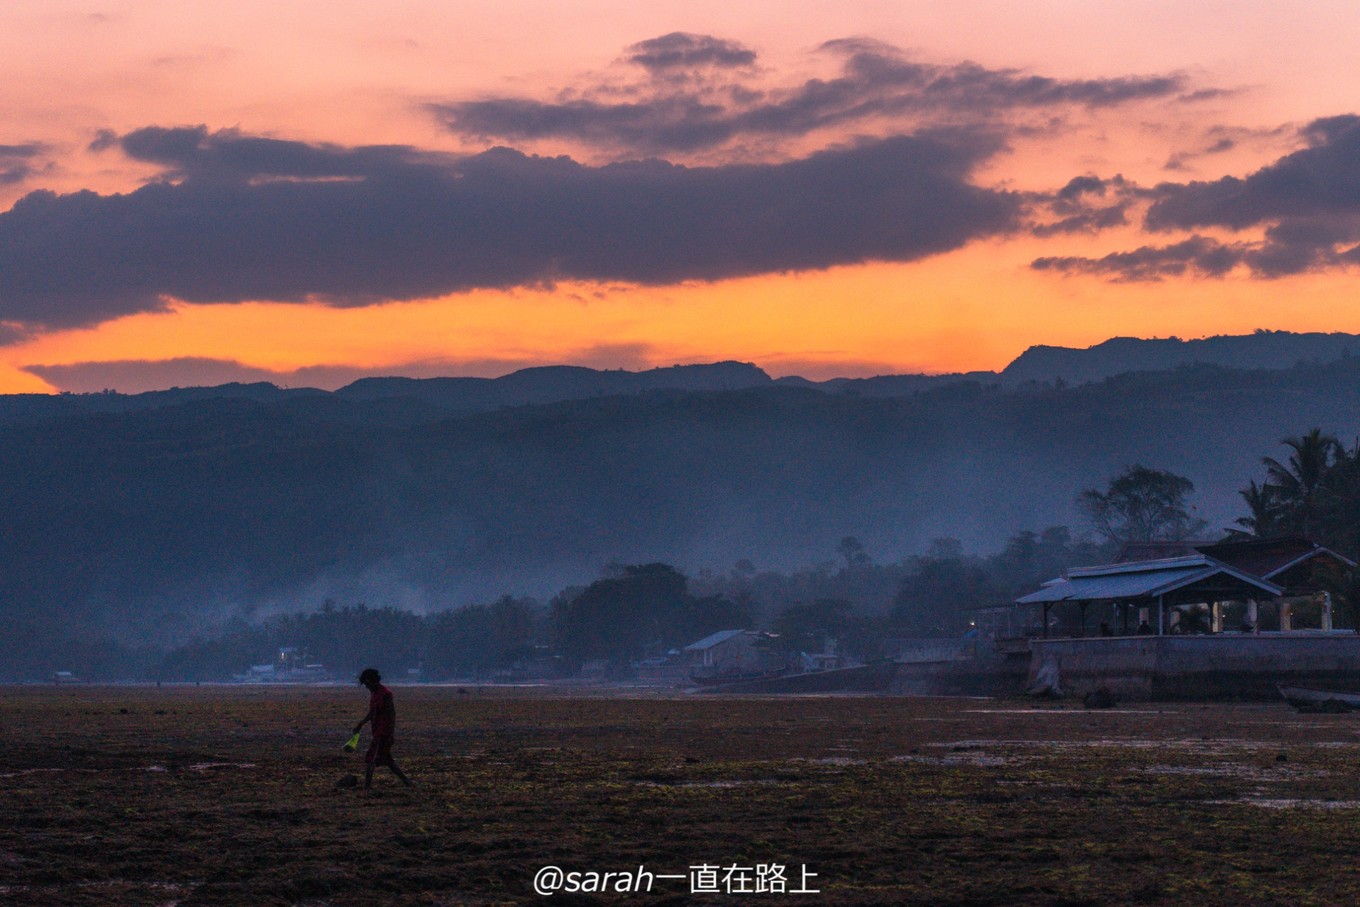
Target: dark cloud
1307 205
1320 180
1087 204
680 50
875 83
1092 221
103 140
1221 139
1181 159
17 161
1087 185
1091 194
11 333
251 218
31 149
1209 94
1197 254
672 124
194 152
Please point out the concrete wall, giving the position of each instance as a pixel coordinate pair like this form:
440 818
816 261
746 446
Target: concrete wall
987 673
925 650
1224 666
870 678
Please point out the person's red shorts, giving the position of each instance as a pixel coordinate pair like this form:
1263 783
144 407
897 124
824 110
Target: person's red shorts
380 751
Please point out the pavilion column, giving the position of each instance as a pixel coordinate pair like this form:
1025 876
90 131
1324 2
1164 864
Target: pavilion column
1327 611
1216 617
1286 615
1252 616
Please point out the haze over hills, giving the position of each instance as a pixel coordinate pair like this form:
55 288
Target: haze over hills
157 516
551 384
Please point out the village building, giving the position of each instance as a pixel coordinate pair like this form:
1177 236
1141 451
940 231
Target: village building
1189 620
290 665
1229 583
732 655
1158 592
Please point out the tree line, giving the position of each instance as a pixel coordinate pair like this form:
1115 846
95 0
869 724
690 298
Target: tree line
640 611
633 612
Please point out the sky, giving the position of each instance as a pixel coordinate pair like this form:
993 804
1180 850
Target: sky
309 193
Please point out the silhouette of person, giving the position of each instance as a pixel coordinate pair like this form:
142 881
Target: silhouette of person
382 712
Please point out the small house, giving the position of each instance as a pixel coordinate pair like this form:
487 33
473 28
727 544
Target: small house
730 655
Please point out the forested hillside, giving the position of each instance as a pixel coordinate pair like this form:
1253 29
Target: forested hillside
156 523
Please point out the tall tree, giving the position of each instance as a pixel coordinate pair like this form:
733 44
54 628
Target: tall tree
805 628
852 549
1142 505
938 597
1264 516
1300 484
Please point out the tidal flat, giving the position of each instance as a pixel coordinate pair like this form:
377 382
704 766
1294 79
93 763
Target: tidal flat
227 795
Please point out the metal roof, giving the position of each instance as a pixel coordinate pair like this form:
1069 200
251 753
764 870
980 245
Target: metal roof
1140 579
712 640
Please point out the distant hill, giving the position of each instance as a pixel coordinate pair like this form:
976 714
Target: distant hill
410 399
157 522
552 384
888 385
1119 355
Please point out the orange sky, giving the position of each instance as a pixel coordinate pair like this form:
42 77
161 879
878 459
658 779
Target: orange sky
349 74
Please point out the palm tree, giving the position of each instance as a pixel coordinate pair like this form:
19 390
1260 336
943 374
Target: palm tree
1337 515
1299 485
1263 503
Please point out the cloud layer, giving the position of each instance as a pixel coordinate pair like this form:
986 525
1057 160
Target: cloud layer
697 93
18 162
240 217
1305 207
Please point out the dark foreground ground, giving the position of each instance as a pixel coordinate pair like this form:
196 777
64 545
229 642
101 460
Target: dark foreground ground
120 796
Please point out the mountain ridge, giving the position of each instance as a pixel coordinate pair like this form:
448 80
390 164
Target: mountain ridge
160 519
1040 364
1119 355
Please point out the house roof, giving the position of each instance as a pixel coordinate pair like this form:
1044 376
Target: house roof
1271 557
1143 579
713 639
1259 557
1157 549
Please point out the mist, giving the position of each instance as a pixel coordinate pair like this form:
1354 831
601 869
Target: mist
153 520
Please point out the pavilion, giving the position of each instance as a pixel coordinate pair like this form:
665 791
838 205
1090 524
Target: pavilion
1165 577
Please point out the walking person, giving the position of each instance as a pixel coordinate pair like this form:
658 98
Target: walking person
382 712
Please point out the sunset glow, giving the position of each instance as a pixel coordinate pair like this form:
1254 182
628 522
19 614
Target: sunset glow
911 209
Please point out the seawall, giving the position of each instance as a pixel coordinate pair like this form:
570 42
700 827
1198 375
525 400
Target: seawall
1222 666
